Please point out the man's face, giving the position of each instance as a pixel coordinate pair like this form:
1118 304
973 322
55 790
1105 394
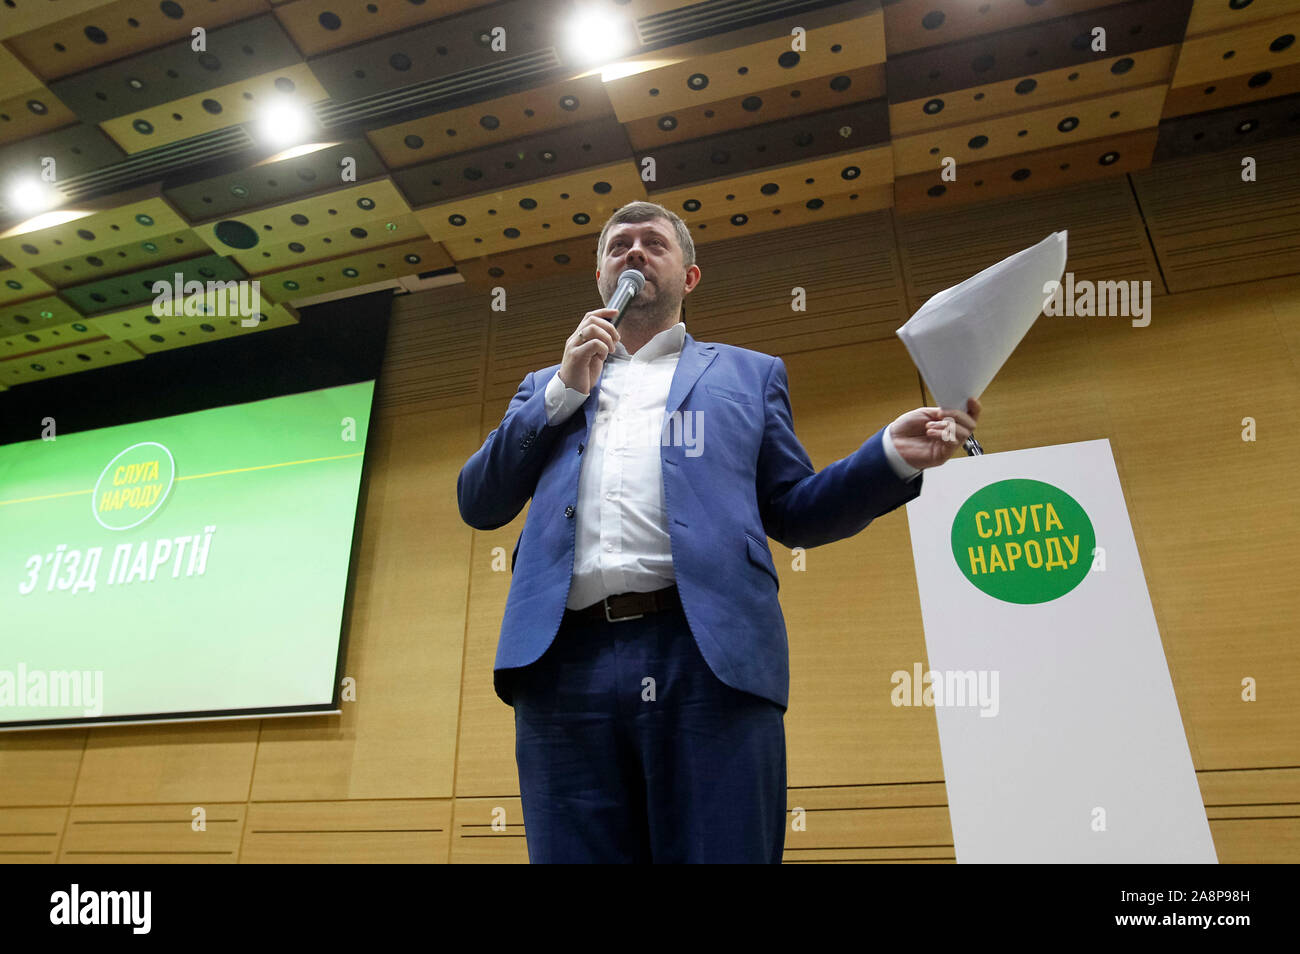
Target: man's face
651 248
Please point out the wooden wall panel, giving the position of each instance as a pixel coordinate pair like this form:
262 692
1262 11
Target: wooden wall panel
1211 228
437 346
475 839
40 768
853 615
398 739
848 268
907 822
486 756
386 831
195 762
1106 241
153 834
30 836
1217 538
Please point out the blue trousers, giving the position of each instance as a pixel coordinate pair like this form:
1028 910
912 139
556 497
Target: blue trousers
630 749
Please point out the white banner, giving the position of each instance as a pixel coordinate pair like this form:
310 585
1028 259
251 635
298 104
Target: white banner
1058 725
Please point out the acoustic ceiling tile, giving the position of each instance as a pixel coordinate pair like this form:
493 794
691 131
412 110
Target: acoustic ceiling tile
1099 78
484 124
802 182
1262 45
747 61
23 16
782 102
217 108
214 329
849 128
175 70
503 166
283 252
318 26
80 356
836 205
1029 131
915 24
273 181
1232 91
316 215
536 213
1126 29
138 221
120 29
1055 168
364 268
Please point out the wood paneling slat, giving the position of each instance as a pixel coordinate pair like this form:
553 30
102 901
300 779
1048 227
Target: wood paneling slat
153 834
1106 241
1211 228
386 831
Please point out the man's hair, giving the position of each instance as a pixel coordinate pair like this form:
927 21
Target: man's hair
643 212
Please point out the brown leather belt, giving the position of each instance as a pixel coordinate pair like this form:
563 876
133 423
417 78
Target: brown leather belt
625 606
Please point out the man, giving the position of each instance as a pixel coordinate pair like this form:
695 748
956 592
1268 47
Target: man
643 646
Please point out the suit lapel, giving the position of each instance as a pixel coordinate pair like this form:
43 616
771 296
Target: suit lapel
695 358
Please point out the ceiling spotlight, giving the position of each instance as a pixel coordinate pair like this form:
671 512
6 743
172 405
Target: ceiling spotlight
31 196
596 35
284 122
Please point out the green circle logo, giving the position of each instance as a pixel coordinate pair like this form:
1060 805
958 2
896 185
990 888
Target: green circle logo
1023 541
133 486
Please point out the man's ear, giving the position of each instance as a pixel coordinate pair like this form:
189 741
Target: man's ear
692 278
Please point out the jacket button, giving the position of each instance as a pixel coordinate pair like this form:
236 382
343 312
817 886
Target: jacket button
568 511
580 447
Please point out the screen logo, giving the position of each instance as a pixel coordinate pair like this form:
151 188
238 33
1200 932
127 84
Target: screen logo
133 487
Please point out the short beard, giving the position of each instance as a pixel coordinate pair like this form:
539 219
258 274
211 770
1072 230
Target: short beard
652 316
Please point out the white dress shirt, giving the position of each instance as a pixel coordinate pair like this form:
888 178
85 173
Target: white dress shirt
622 530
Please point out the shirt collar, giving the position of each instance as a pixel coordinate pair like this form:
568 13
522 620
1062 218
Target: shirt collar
668 341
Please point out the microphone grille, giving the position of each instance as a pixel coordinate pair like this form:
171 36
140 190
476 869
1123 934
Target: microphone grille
635 277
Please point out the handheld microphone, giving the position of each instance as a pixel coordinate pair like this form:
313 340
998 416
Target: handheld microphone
630 283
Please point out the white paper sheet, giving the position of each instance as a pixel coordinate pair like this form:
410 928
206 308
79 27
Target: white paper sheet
961 337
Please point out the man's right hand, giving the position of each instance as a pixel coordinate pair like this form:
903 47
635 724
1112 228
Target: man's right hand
586 349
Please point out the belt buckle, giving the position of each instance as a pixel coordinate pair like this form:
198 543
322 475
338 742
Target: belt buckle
618 619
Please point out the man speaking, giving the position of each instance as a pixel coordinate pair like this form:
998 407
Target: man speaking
643 647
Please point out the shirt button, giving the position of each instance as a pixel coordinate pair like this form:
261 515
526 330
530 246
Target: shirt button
610 495
568 511
609 546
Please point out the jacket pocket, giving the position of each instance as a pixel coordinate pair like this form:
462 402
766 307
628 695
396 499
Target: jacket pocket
761 557
736 396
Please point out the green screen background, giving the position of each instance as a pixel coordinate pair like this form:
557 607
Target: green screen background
260 629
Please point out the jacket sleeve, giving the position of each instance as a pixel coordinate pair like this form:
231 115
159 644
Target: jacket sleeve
801 507
498 479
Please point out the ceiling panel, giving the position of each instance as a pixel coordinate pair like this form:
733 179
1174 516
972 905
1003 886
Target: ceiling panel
436 155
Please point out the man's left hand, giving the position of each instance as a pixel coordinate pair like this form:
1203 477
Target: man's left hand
928 436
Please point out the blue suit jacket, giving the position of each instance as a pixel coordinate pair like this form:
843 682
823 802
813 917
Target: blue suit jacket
752 479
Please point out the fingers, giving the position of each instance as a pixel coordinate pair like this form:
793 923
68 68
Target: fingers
596 327
961 417
938 429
